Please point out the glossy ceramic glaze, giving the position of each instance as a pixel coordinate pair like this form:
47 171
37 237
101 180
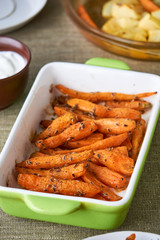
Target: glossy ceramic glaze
12 87
114 44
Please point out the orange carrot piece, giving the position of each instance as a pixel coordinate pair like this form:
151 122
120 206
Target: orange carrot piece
115 161
131 237
113 141
75 132
127 143
60 186
58 126
94 137
137 138
70 172
149 5
101 96
106 192
122 150
137 105
48 162
102 111
45 123
115 126
108 177
85 16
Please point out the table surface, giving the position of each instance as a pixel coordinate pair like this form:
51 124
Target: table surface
51 36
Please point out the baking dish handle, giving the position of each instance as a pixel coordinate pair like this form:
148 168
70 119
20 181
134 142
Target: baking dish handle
51 206
107 62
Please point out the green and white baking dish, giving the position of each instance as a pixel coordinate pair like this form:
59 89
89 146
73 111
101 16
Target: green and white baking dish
77 211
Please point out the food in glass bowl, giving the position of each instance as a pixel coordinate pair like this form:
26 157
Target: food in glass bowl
143 50
130 19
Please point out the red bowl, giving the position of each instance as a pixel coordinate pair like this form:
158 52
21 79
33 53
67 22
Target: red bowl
12 87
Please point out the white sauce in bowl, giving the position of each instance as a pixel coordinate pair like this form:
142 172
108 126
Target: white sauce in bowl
10 63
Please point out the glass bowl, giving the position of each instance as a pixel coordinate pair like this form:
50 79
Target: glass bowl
120 46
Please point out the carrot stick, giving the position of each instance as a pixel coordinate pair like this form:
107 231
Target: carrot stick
48 162
108 177
94 137
102 111
37 154
101 96
106 192
75 132
149 5
122 150
127 143
57 126
85 16
115 161
45 123
80 115
137 138
70 172
113 141
60 186
137 105
115 126
131 237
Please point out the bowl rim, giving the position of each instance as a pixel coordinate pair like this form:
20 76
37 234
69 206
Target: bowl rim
28 58
106 36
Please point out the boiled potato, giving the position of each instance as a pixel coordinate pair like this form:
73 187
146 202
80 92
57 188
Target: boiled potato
149 23
154 35
156 14
123 10
127 22
113 27
107 9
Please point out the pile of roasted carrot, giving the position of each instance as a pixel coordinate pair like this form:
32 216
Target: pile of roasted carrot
90 149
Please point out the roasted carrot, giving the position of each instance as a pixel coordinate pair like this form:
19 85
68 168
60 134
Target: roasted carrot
149 5
57 126
70 172
131 237
127 143
48 162
75 132
115 161
37 154
85 16
102 111
113 141
45 123
122 150
106 192
137 105
60 186
94 137
108 177
115 126
101 96
99 197
60 110
137 138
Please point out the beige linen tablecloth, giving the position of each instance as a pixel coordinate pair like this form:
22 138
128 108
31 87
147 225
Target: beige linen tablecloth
51 36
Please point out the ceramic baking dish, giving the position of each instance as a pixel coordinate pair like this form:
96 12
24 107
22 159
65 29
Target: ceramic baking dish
78 211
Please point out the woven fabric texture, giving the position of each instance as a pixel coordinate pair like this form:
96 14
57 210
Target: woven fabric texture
51 36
